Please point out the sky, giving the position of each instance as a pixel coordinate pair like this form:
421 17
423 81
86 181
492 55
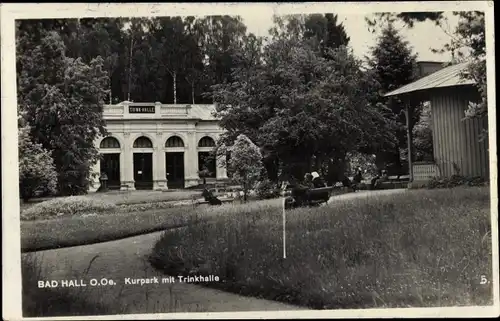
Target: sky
422 37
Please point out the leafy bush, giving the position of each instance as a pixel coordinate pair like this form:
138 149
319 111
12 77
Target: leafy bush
37 172
456 180
266 189
245 163
418 249
67 206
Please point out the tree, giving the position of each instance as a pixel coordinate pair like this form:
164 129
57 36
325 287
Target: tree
422 135
295 105
104 37
245 163
194 73
63 100
393 63
222 37
324 30
36 166
469 37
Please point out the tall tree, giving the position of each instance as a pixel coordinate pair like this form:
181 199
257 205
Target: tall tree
194 72
324 29
393 63
223 36
469 35
103 37
63 99
293 99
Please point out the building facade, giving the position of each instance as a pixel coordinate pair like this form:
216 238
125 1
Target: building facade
158 146
457 144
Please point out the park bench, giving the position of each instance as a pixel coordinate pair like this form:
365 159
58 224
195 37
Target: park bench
396 181
315 196
201 202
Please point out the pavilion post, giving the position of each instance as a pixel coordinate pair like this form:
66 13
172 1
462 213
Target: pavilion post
409 132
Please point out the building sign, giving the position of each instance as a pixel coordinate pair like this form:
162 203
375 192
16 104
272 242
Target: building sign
141 109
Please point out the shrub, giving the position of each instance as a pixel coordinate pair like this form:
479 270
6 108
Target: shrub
420 249
266 189
455 180
67 206
37 172
245 163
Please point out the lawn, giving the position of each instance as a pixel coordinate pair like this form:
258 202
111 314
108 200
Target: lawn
130 197
40 235
79 301
82 230
44 302
420 249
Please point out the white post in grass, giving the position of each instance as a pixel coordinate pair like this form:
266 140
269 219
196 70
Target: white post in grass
284 222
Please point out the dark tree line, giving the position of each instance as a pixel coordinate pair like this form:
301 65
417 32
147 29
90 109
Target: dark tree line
167 59
300 95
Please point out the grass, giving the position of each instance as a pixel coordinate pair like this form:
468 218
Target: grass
141 197
73 231
133 197
45 302
61 302
82 230
421 249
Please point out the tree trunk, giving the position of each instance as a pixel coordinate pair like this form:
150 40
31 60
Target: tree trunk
174 78
192 92
130 69
110 88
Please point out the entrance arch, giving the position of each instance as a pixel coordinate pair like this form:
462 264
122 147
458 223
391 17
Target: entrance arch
206 160
110 161
143 163
174 162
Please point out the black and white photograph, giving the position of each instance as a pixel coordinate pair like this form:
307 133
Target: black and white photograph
267 160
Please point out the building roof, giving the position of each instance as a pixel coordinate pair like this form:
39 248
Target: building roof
446 77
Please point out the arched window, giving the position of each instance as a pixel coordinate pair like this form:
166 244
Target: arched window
109 142
174 141
143 142
206 142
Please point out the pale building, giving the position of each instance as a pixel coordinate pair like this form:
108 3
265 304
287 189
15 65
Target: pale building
457 146
158 146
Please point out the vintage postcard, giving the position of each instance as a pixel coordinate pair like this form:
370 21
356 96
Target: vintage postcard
249 160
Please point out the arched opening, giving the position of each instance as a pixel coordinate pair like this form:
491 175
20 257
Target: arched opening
110 162
143 142
174 162
206 142
206 159
174 141
109 142
143 163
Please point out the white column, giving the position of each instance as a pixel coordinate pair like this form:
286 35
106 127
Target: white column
94 183
221 170
159 172
128 171
191 161
122 165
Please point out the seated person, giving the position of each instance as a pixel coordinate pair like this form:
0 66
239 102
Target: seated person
358 177
210 198
300 190
317 180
